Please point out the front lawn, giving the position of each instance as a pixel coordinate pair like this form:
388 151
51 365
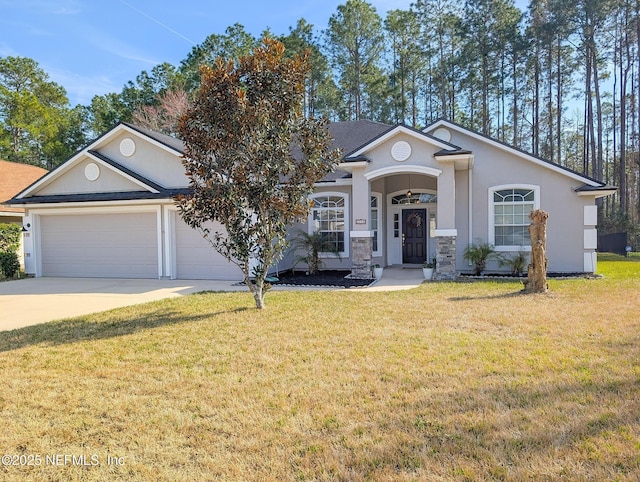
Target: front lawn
450 381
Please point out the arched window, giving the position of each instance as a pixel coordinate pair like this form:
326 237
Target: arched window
509 208
415 198
329 217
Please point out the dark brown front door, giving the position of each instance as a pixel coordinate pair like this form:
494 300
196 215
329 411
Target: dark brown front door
414 236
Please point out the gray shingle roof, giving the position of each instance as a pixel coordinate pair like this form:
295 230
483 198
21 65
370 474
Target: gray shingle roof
350 136
100 196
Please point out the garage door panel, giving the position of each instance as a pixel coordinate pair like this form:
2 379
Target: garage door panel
196 258
122 245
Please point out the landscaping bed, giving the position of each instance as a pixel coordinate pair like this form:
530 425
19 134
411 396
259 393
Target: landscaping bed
333 278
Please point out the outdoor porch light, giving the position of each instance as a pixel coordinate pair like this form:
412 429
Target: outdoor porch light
409 193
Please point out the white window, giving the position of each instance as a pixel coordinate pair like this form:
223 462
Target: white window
329 217
376 216
509 208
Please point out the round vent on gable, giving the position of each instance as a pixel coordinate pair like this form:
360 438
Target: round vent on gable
127 147
401 151
92 171
442 133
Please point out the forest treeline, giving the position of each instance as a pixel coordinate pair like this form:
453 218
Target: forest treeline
560 80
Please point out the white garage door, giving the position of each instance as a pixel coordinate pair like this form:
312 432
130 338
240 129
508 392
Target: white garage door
100 245
196 258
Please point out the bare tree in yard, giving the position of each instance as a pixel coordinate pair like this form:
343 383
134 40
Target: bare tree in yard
252 157
163 116
537 276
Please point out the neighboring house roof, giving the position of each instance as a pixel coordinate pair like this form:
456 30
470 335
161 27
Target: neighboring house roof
14 177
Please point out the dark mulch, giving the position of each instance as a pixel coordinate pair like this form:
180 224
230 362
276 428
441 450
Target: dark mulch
323 278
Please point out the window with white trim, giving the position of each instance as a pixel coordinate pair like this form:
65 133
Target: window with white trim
376 213
509 216
328 217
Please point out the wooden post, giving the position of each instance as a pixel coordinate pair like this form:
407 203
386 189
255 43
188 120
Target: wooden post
537 275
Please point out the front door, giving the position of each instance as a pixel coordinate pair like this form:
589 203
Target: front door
414 236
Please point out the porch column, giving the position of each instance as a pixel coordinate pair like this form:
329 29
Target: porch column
360 234
446 231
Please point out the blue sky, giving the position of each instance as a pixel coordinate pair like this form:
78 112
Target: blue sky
92 47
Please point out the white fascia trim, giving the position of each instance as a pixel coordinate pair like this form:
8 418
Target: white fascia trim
597 194
351 165
460 161
511 150
98 206
123 174
445 232
95 210
407 168
399 130
453 157
337 182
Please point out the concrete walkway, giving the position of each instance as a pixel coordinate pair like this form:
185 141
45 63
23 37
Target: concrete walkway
37 300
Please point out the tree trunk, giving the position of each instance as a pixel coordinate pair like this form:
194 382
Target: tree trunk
258 288
537 276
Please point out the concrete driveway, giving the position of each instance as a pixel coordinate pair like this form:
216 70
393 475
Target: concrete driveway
37 300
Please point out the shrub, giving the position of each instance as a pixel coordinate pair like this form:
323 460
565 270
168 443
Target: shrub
313 245
9 263
517 263
9 237
478 254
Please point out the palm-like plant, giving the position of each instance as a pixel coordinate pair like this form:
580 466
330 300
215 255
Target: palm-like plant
312 245
478 254
517 263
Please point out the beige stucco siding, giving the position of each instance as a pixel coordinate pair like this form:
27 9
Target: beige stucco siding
161 165
495 167
401 182
421 154
74 181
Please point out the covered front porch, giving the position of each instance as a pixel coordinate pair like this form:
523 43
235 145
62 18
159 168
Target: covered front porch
404 216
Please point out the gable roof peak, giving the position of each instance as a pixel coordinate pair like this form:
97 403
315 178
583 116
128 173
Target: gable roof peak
589 181
168 141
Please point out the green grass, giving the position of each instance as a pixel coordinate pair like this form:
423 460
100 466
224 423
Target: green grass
450 381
